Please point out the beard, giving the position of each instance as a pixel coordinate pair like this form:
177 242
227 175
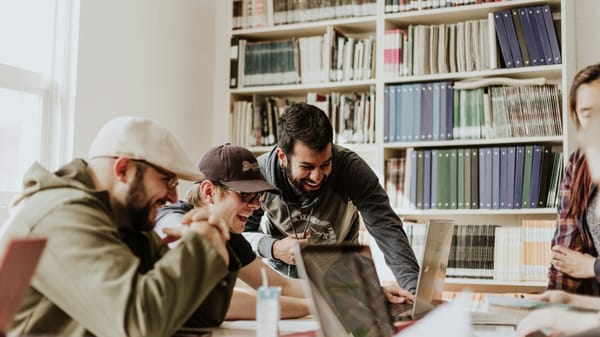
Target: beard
138 206
297 183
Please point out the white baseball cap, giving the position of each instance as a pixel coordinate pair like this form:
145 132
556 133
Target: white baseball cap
143 139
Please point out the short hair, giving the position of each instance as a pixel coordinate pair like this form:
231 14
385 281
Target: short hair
584 76
305 123
194 194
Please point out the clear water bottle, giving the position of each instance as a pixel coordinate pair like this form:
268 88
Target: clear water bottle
267 309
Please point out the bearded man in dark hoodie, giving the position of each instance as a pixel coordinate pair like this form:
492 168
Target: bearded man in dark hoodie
104 272
324 188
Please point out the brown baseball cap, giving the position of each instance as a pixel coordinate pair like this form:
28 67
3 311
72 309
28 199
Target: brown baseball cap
235 167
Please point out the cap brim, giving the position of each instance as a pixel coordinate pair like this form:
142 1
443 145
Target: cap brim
251 186
191 175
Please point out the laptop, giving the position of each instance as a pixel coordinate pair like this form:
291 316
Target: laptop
17 267
346 296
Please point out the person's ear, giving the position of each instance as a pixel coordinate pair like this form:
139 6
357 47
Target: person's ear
282 157
120 168
207 188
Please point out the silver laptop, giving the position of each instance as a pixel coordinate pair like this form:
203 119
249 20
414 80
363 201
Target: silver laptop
346 296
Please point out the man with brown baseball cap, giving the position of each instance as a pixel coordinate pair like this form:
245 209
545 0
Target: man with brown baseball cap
233 188
104 271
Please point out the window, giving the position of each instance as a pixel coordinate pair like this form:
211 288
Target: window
37 72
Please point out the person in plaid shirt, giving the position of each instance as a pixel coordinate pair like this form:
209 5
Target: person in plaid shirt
575 267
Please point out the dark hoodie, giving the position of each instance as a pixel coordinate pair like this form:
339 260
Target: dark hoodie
333 216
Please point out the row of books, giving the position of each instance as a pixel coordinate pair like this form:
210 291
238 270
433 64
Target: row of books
352 116
266 13
504 177
436 111
393 6
439 49
503 253
527 36
328 58
256 124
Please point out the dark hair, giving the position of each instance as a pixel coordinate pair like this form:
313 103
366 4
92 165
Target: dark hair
582 181
305 123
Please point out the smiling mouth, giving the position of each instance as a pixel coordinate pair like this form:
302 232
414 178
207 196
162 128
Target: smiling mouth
311 185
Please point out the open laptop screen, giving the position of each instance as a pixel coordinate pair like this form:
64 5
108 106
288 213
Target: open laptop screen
345 289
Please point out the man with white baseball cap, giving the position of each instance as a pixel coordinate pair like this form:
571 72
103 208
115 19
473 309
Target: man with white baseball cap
104 271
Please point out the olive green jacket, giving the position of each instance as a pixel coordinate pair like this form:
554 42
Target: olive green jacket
96 280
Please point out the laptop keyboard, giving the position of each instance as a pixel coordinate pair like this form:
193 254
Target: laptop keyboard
400 311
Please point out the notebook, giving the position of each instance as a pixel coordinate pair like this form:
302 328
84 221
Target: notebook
345 292
17 267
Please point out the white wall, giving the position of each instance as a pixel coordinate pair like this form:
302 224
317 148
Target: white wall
151 58
587 27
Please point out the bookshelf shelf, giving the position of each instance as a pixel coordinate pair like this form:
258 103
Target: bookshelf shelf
358 24
475 212
380 83
551 72
454 14
471 142
296 89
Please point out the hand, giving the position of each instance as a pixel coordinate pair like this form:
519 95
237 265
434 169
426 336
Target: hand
173 234
394 294
573 263
284 249
558 321
214 230
539 319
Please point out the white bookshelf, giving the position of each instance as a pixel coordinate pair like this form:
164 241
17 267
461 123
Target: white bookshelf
377 153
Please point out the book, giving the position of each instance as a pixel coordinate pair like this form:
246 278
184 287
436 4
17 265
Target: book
434 172
474 178
521 37
233 62
437 111
460 176
510 176
503 40
426 112
542 34
531 40
420 176
495 168
527 165
503 202
536 168
519 173
536 36
413 178
552 36
547 164
427 179
394 112
467 177
513 40
453 178
386 113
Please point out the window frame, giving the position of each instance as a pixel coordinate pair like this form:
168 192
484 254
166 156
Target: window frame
57 90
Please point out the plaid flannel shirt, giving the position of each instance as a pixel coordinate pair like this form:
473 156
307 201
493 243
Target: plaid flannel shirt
570 233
